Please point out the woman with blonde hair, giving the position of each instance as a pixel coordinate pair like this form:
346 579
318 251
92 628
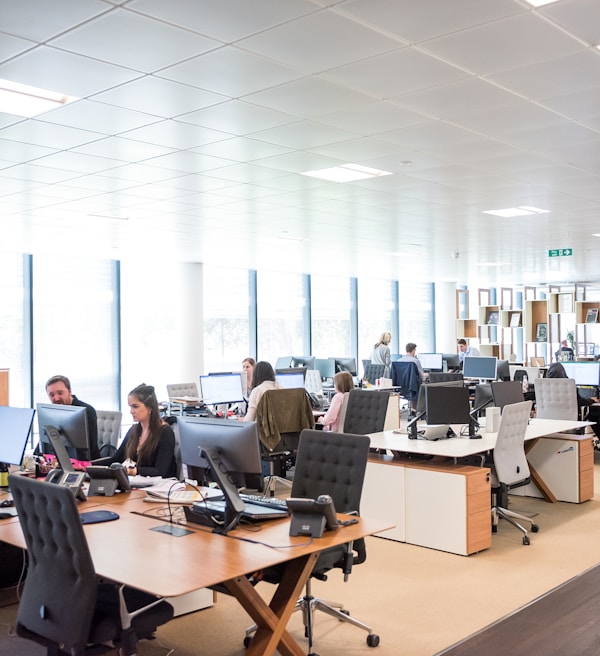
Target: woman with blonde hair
381 353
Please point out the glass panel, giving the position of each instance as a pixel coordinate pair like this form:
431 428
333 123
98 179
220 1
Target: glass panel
14 337
376 309
281 302
75 327
416 316
331 307
226 325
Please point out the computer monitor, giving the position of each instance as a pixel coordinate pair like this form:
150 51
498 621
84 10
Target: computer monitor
431 361
15 427
481 367
71 423
225 451
289 380
345 364
507 392
583 373
326 367
421 402
450 361
221 388
306 361
503 370
483 398
283 362
446 404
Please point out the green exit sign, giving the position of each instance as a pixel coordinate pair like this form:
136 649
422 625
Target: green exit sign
560 252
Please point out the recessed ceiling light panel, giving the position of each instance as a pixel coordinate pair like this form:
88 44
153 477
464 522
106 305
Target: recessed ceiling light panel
23 100
346 173
522 210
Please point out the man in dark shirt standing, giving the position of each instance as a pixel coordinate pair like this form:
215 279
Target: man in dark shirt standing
58 389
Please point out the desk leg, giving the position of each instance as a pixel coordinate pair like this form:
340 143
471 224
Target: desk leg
272 620
536 478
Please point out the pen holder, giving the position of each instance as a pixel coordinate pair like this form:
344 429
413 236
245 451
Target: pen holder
492 420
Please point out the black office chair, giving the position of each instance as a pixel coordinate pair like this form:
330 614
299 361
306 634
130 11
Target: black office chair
366 411
405 376
334 464
373 372
64 607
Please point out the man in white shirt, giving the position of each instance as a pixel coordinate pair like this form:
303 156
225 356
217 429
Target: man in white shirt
465 350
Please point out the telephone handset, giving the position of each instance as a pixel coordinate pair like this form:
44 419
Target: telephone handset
316 401
73 480
312 516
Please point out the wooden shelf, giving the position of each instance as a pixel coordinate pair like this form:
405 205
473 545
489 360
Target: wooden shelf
536 312
506 318
466 328
490 350
486 312
581 310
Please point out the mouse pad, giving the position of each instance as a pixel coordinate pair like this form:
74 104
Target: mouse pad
97 516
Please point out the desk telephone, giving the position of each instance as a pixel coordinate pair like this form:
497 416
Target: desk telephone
316 401
73 480
312 516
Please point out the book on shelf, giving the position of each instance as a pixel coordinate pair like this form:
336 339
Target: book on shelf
592 315
515 320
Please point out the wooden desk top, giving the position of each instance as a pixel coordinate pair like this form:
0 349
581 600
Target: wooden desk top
129 551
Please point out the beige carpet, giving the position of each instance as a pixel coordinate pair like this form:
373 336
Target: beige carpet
418 600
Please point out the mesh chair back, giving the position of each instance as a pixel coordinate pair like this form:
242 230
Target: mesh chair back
179 390
510 463
109 431
556 398
373 372
60 589
366 411
313 382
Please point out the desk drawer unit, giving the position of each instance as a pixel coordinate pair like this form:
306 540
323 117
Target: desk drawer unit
566 465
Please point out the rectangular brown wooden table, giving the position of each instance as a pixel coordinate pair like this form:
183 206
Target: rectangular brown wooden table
128 551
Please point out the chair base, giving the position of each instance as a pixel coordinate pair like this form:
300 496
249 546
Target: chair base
514 519
309 605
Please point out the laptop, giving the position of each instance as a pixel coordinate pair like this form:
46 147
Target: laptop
252 513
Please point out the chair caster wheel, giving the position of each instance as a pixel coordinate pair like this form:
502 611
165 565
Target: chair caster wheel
526 540
247 641
372 640
535 528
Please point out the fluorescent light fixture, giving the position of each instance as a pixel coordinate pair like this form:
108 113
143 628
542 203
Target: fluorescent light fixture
23 100
522 210
347 173
540 3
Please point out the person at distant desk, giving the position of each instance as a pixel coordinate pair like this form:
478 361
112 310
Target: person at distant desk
411 356
58 389
149 446
465 350
248 366
343 383
381 353
565 353
263 379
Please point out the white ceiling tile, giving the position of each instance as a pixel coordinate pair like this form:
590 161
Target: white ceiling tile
310 98
395 73
227 20
187 161
579 16
64 72
371 119
38 173
231 72
237 117
569 74
302 135
175 134
48 135
242 149
68 160
39 20
425 19
18 151
485 49
122 37
306 43
123 149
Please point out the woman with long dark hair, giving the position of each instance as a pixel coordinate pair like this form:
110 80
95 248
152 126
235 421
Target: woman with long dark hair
149 446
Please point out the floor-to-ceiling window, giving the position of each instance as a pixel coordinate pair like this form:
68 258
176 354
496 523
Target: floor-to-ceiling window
14 345
331 313
226 318
281 304
416 316
376 313
75 330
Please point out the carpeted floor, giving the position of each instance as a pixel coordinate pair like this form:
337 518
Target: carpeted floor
419 601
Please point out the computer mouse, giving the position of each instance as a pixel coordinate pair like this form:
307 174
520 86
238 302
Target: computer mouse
7 503
5 515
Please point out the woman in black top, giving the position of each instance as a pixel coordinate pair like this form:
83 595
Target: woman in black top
149 446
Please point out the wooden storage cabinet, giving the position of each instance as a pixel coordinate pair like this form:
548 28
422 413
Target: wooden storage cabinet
437 505
4 396
581 309
466 328
506 317
490 350
536 311
486 312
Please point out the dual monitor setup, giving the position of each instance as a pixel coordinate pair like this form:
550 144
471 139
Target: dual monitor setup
327 367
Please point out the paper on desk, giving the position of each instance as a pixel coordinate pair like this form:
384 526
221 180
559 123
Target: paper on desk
156 483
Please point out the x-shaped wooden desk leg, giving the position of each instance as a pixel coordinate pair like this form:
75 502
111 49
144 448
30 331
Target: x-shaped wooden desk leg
272 619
